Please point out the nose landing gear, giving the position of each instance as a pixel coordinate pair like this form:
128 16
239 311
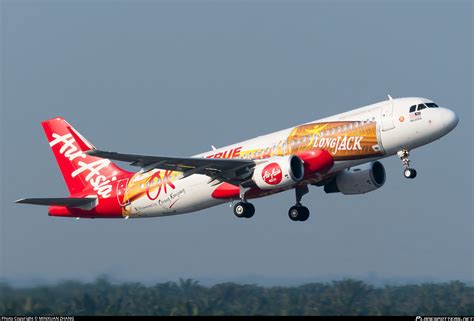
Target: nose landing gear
407 171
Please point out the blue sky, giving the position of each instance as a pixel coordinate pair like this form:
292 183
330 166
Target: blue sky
172 78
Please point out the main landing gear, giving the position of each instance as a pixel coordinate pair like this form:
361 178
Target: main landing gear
407 171
243 208
299 212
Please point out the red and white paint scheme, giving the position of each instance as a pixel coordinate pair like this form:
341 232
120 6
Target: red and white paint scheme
339 153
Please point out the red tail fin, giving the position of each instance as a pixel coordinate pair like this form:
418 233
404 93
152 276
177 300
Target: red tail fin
82 173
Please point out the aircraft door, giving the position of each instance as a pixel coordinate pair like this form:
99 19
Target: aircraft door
387 117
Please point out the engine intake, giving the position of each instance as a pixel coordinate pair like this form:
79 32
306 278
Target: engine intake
358 180
279 172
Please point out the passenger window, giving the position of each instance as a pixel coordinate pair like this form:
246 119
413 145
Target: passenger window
421 106
412 108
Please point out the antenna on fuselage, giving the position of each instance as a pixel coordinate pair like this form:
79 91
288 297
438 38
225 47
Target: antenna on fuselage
213 148
390 97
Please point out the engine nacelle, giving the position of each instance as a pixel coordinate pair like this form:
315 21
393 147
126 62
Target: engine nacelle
279 172
358 180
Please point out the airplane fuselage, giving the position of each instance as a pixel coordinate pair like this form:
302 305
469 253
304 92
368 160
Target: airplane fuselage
353 138
326 150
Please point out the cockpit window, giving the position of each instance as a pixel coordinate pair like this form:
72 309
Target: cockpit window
421 106
431 105
412 108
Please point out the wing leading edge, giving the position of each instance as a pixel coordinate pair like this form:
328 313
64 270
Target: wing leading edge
216 168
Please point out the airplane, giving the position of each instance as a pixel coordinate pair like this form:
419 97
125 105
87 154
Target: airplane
340 153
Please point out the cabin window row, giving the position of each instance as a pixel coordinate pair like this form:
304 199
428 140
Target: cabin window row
260 153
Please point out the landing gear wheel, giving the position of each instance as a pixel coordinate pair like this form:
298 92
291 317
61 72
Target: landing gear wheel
293 213
409 173
250 210
298 213
305 214
242 209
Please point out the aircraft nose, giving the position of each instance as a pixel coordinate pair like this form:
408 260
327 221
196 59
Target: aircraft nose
449 119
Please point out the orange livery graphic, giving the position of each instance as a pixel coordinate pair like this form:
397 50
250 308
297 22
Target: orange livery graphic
344 139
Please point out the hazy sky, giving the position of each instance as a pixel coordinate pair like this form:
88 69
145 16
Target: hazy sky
165 78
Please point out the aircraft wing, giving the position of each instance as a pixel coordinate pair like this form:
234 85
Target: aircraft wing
223 169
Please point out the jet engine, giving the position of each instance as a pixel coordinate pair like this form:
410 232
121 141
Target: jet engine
358 180
279 172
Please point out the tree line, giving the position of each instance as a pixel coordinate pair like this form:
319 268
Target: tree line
188 297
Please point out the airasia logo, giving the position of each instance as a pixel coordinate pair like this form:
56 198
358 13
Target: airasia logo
272 174
100 183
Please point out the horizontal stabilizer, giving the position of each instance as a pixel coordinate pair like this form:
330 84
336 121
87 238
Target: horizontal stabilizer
60 201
